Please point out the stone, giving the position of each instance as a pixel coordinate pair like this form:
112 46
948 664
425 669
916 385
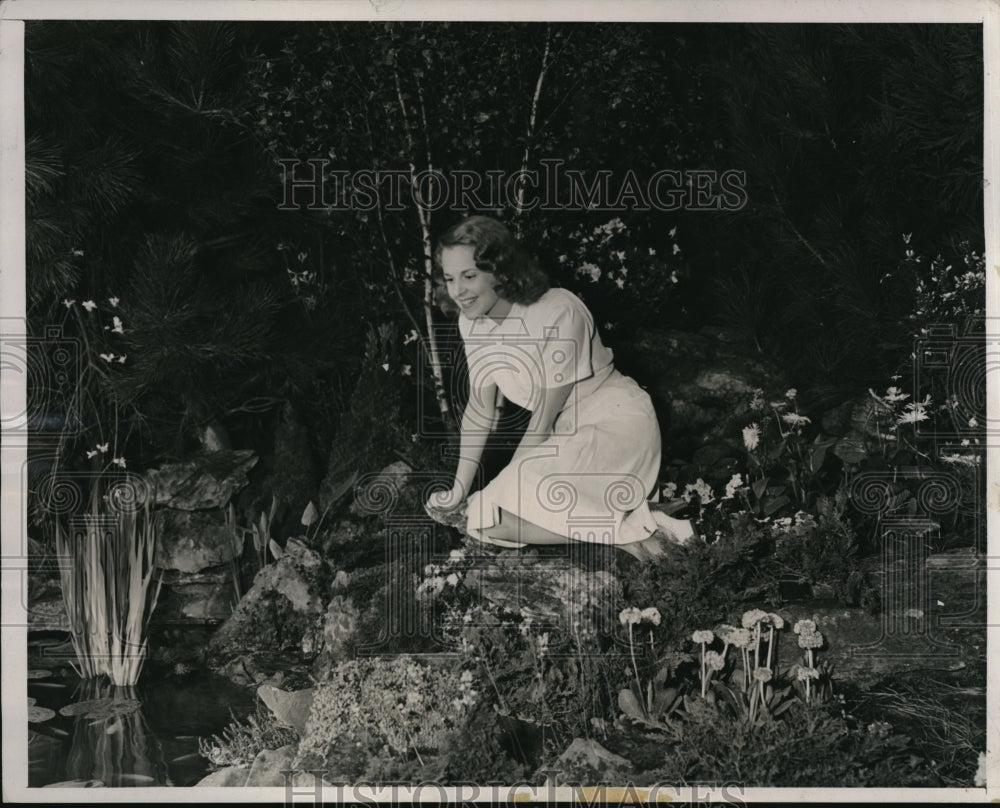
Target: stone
291 708
205 481
198 602
384 492
192 541
46 609
559 589
229 777
585 758
281 607
268 766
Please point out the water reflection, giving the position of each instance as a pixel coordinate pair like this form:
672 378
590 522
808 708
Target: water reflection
129 736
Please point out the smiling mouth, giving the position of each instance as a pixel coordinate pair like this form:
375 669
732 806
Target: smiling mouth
466 303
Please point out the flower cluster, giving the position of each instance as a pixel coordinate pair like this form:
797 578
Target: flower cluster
439 576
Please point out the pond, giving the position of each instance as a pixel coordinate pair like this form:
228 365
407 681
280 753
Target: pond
141 736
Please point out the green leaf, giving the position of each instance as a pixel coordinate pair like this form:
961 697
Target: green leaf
276 549
629 704
774 504
776 490
759 487
310 514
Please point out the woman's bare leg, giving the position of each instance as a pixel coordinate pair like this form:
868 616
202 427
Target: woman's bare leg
513 528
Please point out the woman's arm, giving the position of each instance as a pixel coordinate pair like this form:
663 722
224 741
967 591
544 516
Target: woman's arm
478 421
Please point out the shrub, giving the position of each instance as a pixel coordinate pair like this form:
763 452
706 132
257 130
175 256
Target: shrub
242 741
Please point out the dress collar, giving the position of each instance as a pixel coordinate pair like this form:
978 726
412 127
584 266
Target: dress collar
512 325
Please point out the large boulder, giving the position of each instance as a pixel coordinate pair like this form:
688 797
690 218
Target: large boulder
701 384
204 481
280 609
191 541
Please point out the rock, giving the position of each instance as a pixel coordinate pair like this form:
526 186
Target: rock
283 604
46 609
199 602
231 776
205 481
191 541
557 589
291 708
385 491
585 759
701 384
268 766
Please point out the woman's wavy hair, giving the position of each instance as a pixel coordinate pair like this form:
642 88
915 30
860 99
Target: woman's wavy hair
518 276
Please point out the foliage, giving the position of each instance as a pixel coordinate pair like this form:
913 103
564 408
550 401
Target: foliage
107 585
409 708
243 740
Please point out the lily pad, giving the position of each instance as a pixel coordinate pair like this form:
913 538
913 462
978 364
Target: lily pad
36 715
31 701
101 708
76 784
39 673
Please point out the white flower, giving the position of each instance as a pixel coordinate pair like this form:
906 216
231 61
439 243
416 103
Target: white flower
652 614
107 357
413 336
630 616
714 660
752 617
804 673
702 489
118 325
751 437
735 484
705 636
757 403
407 370
592 271
804 626
673 231
91 454
121 359
915 411
102 448
669 490
740 638
973 423
452 580
113 301
894 394
119 461
776 620
620 283
791 392
89 305
795 419
762 674
68 303
456 555
677 249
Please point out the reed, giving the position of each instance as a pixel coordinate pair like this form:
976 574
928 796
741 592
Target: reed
107 583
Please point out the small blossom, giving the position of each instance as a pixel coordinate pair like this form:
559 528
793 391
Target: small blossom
812 639
413 336
804 626
776 621
702 489
762 674
121 359
102 448
791 393
676 249
630 616
973 423
89 305
704 637
456 555
107 357
894 394
592 271
752 617
452 580
119 461
740 638
714 660
735 484
114 301
651 614
68 303
91 454
406 370
795 419
620 283
669 490
757 402
751 437
118 325
804 673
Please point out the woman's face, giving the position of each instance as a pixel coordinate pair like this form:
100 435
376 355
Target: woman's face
470 287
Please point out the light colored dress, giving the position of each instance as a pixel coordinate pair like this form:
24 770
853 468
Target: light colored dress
590 480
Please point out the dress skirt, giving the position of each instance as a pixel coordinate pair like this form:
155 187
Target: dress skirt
590 480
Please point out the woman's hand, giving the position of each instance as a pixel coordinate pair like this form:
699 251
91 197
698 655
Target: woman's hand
447 500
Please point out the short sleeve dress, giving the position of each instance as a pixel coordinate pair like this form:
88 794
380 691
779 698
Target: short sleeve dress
591 478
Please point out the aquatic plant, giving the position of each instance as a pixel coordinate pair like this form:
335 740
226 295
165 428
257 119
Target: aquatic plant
107 583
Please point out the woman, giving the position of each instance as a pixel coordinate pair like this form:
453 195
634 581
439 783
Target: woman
590 455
